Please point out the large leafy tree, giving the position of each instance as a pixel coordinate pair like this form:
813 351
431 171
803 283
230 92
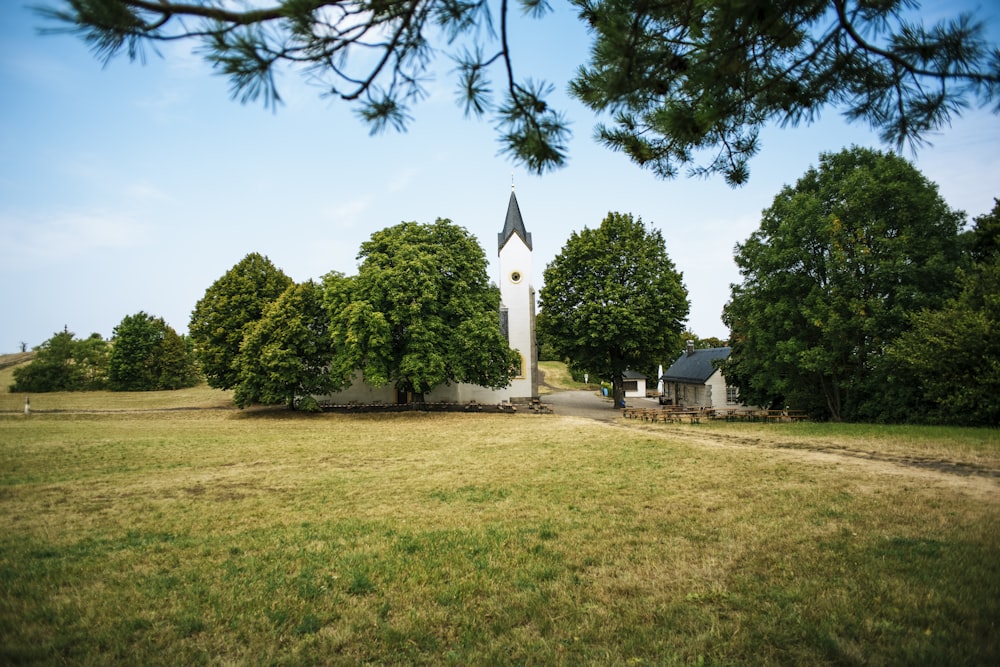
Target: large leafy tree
613 300
829 280
148 355
231 305
678 77
421 312
65 363
286 354
951 356
984 237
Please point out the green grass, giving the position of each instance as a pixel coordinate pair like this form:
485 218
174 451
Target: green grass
200 397
265 537
557 377
962 450
147 529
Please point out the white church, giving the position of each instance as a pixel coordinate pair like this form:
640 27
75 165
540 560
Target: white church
516 319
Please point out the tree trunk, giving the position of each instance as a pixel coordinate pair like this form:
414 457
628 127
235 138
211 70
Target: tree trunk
831 391
617 380
618 391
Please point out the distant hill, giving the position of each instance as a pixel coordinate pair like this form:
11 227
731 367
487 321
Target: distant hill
8 360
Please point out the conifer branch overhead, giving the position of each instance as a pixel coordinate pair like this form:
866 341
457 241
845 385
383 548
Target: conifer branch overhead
686 86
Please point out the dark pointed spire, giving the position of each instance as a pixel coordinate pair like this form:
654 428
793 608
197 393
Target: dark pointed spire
513 224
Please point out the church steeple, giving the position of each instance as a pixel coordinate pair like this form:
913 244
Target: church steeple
517 299
513 224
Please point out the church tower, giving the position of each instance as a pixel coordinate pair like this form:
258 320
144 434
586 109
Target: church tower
517 301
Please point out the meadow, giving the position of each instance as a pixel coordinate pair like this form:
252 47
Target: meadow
170 528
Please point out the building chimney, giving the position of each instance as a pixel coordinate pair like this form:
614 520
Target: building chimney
690 347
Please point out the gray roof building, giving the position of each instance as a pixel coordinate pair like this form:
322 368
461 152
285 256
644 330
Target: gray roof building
695 366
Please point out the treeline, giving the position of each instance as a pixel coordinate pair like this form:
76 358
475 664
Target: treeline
144 354
864 298
421 312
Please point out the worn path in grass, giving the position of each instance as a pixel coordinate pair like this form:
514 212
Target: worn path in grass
977 477
930 463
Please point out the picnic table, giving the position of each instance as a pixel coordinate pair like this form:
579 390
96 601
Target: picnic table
668 415
677 414
765 416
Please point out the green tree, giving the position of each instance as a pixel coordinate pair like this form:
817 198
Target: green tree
613 300
421 312
64 363
951 356
702 343
985 235
677 77
230 306
148 355
90 363
287 353
829 280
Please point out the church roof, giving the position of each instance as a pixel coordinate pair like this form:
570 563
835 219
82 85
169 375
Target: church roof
513 225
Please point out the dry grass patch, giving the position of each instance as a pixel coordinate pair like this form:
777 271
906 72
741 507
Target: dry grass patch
200 397
960 450
273 538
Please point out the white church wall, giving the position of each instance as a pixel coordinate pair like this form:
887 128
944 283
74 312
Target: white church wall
360 392
518 295
466 393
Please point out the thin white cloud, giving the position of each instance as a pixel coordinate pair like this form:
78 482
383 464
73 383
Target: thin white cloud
146 192
403 179
31 243
36 69
347 214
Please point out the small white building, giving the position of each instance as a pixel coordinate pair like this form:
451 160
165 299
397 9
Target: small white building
634 384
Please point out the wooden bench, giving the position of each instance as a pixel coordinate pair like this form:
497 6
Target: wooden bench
666 415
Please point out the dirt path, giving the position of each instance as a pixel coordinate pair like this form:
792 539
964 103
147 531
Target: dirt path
983 482
974 477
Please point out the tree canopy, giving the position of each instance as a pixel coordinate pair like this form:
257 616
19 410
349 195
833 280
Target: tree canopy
286 354
421 312
613 300
231 305
678 78
65 363
951 356
984 237
829 280
148 355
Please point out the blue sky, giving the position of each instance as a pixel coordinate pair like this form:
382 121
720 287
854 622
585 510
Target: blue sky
133 187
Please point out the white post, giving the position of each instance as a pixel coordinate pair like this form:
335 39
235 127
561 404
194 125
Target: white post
27 406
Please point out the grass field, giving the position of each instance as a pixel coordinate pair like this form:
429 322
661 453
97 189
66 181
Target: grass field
172 529
557 377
